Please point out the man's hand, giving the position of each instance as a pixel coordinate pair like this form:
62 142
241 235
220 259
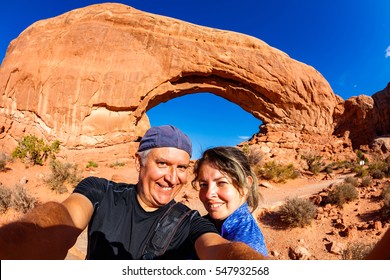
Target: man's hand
46 232
381 250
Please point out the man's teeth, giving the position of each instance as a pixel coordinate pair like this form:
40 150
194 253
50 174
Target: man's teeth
212 206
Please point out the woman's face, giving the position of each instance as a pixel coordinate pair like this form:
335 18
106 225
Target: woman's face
217 192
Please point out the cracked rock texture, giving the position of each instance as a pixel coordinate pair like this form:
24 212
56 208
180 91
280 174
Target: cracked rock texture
88 77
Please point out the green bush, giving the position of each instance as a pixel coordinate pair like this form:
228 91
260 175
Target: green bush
35 150
5 199
91 164
314 163
63 175
356 251
22 200
342 194
298 212
277 172
344 165
360 156
360 171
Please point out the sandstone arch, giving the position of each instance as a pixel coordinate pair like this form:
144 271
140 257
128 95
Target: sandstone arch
87 78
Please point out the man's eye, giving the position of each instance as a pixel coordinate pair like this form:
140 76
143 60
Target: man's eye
182 168
161 164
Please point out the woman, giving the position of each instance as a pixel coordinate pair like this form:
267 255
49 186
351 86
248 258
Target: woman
228 190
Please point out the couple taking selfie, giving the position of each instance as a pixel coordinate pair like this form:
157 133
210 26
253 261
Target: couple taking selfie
143 221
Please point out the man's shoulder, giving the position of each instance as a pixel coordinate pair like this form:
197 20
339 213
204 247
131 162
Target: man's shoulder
102 185
180 205
108 183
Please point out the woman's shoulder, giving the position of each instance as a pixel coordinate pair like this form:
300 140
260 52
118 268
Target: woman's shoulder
240 220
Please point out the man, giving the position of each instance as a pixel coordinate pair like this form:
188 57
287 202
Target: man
121 217
381 249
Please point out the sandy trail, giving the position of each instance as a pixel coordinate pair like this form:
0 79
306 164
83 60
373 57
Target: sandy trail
275 196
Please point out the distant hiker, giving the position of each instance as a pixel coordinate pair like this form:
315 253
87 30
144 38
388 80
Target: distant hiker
123 219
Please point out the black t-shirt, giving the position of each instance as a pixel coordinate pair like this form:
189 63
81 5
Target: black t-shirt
119 225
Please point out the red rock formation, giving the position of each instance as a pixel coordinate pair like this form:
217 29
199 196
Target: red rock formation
87 78
364 118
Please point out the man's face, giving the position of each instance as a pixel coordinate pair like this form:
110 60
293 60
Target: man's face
161 177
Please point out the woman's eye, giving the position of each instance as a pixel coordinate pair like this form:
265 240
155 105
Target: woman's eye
222 183
202 185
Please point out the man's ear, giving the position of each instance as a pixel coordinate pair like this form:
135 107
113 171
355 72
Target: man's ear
137 162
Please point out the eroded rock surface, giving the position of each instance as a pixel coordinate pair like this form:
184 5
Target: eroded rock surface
87 78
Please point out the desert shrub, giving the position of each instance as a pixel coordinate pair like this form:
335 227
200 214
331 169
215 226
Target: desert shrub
360 171
5 199
3 162
91 164
314 163
356 251
379 169
329 169
277 172
35 150
342 194
253 154
298 212
385 210
22 201
344 165
63 175
377 174
360 156
366 182
117 163
385 192
352 180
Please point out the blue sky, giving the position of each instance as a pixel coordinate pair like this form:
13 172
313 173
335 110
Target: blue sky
347 41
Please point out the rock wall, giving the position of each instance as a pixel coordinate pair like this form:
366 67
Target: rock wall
365 118
87 78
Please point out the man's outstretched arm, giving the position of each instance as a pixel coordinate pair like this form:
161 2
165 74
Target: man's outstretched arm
211 246
381 250
46 232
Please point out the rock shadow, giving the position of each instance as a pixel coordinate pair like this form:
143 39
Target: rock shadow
371 216
273 220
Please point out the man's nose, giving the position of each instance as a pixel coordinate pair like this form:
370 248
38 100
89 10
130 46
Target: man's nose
172 176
